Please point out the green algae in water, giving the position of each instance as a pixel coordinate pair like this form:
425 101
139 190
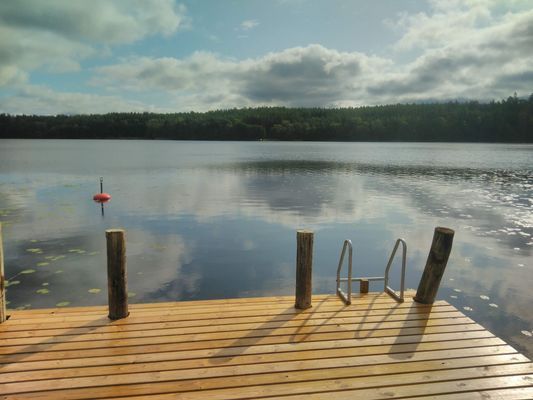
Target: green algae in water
42 291
27 271
35 250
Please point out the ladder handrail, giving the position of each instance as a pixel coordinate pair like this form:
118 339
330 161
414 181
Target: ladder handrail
386 287
347 298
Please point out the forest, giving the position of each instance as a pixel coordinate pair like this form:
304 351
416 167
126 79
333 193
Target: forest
506 121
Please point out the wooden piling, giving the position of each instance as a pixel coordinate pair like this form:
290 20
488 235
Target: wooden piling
363 286
116 274
304 268
3 313
435 265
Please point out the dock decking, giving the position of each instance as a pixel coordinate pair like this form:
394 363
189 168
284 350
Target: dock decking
261 347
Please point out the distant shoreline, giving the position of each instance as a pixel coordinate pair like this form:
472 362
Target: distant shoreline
506 121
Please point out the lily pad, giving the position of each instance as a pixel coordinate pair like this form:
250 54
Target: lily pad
62 304
94 290
42 291
35 250
27 271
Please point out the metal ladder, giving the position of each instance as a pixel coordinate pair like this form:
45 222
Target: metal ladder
347 297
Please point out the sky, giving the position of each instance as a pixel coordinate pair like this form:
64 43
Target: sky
99 56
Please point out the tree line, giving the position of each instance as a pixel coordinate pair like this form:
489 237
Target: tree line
509 120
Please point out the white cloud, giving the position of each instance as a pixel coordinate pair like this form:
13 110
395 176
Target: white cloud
312 75
57 34
33 99
460 49
465 50
249 24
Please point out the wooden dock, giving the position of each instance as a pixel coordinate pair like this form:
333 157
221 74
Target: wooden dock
374 348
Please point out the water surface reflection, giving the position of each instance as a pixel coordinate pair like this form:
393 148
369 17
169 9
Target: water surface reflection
212 220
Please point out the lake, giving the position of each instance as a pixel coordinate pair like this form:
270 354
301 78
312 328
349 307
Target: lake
211 220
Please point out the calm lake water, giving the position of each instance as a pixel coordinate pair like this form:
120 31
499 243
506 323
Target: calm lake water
218 219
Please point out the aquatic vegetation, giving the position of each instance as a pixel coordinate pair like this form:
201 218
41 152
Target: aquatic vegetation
43 264
42 291
12 283
78 251
27 271
35 250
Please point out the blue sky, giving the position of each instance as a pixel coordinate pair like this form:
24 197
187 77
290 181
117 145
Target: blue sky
68 56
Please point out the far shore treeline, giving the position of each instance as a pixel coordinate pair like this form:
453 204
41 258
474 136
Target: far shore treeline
509 121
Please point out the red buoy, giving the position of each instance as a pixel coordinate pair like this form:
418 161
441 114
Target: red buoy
102 197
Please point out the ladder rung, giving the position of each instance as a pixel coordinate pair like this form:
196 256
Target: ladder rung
370 278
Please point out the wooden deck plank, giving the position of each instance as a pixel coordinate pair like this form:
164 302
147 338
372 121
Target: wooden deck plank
134 346
106 384
205 359
205 370
232 312
258 348
134 321
196 390
205 304
179 327
177 335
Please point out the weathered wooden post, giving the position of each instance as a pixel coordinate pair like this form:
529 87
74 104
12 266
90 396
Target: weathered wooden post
304 268
116 274
363 286
435 265
3 314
